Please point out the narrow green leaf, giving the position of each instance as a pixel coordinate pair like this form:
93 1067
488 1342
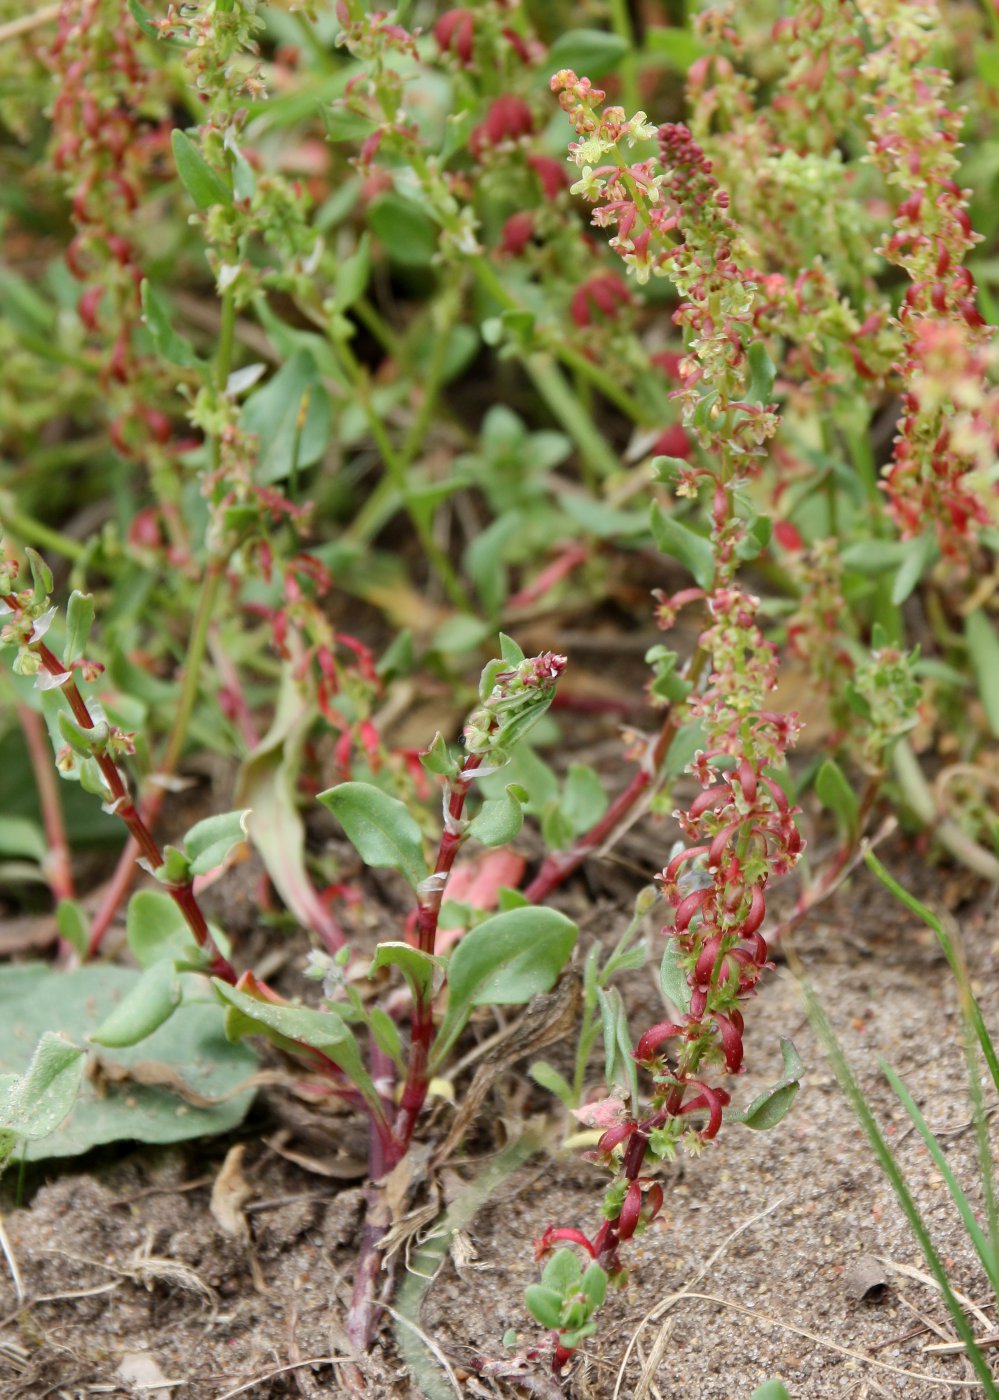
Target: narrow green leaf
205 185
761 373
73 925
673 977
380 828
834 792
983 644
919 554
549 1078
168 343
352 276
693 551
79 620
153 1000
972 1228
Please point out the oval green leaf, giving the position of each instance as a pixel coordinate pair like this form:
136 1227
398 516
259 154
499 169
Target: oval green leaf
379 827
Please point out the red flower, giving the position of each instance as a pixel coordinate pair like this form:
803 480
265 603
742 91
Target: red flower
455 33
602 294
673 441
551 173
517 233
507 119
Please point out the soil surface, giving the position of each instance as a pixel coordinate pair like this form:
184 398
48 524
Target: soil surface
779 1254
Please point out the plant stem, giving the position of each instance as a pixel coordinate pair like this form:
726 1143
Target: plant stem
557 867
622 26
56 866
122 806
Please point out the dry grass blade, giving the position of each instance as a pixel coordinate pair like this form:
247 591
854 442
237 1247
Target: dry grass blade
282 1371
9 1255
664 1305
768 1319
24 24
909 1272
428 1342
651 1366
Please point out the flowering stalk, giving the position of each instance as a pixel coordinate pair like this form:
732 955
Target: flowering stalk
941 475
91 739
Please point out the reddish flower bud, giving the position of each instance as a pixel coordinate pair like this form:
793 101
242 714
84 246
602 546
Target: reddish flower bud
517 233
631 1212
507 119
455 34
731 1039
551 173
602 294
87 306
673 441
655 1037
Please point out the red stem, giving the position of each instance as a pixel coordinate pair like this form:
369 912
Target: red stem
123 806
56 866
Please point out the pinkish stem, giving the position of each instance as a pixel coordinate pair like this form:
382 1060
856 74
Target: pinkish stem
56 866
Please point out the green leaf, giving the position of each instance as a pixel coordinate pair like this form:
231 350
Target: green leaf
344 125
594 52
594 1285
209 842
762 373
562 1273
499 819
771 1390
678 47
385 1034
544 1304
583 801
352 276
33 1104
157 930
834 792
919 554
205 185
380 828
152 1000
668 470
505 960
767 1110
188 1054
673 977
292 1027
418 968
291 418
693 551
983 644
73 925
549 1078
170 345
79 620
22 838
407 234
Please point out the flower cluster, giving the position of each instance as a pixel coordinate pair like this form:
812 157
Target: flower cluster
933 481
108 135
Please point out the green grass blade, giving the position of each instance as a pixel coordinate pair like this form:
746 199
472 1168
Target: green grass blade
950 953
975 1232
850 1087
